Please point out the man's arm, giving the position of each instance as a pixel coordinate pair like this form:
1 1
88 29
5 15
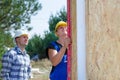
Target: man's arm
6 65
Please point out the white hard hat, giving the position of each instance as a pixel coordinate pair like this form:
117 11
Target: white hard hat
20 32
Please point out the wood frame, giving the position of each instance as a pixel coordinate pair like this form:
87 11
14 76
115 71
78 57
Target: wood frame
71 12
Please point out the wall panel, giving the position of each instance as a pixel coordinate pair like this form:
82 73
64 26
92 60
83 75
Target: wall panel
103 39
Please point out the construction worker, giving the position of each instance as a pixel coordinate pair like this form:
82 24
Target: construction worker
16 62
57 52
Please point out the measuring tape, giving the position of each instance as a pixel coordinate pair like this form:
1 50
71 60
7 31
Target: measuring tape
70 48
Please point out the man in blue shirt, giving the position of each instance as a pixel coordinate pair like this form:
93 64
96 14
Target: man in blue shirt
57 52
16 62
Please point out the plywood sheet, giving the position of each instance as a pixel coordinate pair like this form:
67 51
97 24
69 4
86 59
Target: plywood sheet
103 39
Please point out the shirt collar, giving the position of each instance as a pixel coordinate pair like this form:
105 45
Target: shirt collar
19 51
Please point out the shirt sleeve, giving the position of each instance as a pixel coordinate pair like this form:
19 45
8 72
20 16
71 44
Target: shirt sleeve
29 71
29 68
6 65
50 46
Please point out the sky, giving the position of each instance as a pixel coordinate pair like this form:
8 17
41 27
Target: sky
40 21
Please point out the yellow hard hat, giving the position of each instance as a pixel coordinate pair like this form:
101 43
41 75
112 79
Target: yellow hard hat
60 23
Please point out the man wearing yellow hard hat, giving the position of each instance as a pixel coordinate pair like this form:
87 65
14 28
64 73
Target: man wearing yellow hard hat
57 52
16 61
60 24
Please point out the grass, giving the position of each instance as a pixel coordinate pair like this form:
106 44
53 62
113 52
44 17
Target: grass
45 66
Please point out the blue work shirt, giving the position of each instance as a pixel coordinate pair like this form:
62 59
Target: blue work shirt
58 72
15 65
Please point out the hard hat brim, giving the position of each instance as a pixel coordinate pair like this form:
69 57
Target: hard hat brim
60 24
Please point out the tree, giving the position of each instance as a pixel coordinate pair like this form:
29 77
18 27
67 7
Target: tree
38 44
62 15
6 42
35 45
15 14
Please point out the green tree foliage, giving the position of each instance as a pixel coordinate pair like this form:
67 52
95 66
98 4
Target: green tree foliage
38 44
62 15
5 42
15 14
35 45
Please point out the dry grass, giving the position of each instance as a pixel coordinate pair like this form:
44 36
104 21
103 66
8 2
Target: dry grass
45 66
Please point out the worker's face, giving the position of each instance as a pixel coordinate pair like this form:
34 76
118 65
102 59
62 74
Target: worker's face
62 31
22 40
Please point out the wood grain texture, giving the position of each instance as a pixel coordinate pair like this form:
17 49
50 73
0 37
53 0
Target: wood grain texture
103 39
74 41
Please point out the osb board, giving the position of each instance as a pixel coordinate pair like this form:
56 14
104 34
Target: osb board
103 39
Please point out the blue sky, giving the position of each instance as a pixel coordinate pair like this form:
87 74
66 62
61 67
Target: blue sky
40 21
